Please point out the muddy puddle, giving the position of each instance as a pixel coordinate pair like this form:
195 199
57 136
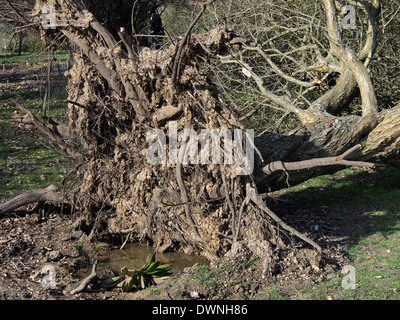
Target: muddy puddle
134 256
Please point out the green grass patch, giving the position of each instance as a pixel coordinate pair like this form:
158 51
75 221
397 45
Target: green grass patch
366 206
33 58
215 279
26 161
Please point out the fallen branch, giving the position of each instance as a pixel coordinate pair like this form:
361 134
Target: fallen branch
312 163
87 280
48 194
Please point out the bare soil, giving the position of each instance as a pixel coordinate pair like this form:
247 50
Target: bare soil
30 242
22 77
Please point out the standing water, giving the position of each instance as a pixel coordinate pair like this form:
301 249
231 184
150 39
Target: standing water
134 256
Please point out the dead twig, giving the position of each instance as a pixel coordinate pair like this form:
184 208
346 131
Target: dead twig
87 280
126 241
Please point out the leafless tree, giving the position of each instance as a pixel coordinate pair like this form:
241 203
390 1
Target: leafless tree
14 14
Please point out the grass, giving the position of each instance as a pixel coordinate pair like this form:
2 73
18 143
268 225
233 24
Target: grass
27 161
214 279
366 206
33 58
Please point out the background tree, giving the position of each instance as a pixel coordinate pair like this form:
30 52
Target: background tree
13 14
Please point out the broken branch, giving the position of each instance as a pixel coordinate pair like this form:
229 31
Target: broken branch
87 280
48 194
312 163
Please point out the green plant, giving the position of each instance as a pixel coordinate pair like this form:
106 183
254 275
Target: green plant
207 277
80 256
134 280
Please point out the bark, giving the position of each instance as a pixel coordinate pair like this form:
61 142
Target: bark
50 194
316 162
338 98
379 136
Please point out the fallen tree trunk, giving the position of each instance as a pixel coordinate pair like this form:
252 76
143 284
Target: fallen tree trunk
50 194
378 136
119 98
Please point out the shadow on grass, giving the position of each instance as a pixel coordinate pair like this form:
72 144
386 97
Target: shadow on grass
26 161
360 202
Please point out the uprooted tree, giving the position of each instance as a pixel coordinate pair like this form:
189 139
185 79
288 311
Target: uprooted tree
117 93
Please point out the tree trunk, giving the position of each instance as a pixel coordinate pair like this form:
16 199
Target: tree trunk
330 136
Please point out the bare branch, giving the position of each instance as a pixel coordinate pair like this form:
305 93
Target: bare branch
360 73
371 42
280 72
281 101
312 163
351 61
17 12
40 195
